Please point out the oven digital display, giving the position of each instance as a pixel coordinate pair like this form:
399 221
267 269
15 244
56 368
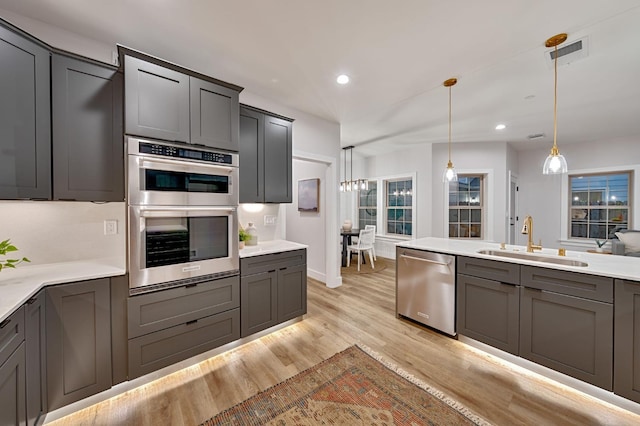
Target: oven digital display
187 153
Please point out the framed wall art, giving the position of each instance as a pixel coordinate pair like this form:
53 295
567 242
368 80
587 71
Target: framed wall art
309 195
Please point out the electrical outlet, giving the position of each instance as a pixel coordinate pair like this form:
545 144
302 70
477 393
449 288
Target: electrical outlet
270 220
110 227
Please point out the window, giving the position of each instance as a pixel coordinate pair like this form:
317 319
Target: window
599 204
367 205
466 207
398 204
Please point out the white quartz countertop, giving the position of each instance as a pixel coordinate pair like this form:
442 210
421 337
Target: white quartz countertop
269 247
20 284
598 264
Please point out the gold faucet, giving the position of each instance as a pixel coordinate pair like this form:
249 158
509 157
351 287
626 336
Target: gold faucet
527 228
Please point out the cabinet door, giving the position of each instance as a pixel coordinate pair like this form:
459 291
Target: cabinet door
36 359
78 341
292 292
12 393
88 162
251 153
568 334
258 302
214 115
277 160
25 129
488 311
626 380
156 101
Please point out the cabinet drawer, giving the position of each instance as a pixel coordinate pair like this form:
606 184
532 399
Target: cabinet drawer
163 309
271 262
489 269
162 348
572 283
11 334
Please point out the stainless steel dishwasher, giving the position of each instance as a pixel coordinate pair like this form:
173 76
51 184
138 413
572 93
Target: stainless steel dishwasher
426 288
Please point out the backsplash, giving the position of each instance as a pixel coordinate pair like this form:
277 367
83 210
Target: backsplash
58 231
256 213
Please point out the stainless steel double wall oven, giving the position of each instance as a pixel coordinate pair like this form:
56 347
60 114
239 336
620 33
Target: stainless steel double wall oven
182 214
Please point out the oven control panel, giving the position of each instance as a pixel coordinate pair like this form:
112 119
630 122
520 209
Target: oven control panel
185 153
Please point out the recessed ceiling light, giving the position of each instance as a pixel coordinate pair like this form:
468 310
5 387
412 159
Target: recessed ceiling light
342 79
501 127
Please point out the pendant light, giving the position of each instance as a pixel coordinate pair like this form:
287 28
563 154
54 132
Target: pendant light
555 162
348 185
450 174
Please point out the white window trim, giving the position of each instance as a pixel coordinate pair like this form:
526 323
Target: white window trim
487 206
381 219
564 200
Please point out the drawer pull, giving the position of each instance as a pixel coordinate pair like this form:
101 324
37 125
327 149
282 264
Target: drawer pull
191 285
31 301
5 323
192 322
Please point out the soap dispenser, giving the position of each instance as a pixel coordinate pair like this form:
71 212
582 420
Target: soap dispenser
253 234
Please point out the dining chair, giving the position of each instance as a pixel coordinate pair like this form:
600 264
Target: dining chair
374 239
365 244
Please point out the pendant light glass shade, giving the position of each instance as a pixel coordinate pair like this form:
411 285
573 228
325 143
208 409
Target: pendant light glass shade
555 162
450 174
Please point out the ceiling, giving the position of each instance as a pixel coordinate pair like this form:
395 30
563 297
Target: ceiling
397 55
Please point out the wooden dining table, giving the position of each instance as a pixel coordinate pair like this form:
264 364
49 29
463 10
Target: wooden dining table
346 241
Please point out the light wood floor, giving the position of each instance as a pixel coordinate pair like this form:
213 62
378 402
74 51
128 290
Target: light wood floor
362 310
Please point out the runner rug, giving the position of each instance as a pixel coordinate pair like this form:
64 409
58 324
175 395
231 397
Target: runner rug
352 387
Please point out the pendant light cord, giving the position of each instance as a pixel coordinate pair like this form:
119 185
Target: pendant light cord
555 97
449 124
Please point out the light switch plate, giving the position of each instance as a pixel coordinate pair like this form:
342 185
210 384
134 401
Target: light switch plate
110 227
270 220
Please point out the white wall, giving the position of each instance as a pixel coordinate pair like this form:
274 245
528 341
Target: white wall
256 214
58 231
309 227
541 196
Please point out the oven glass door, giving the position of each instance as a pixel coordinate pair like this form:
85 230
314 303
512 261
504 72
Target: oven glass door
170 244
155 181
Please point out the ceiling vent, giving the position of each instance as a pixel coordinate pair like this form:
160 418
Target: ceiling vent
535 136
571 52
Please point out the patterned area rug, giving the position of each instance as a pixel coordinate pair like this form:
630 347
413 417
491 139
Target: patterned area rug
353 387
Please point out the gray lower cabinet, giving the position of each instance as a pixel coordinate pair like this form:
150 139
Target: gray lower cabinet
156 101
36 359
273 289
12 389
25 119
175 324
88 150
265 157
626 381
489 311
78 341
569 334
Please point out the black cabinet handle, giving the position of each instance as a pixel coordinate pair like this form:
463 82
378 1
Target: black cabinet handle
5 323
31 301
192 322
190 285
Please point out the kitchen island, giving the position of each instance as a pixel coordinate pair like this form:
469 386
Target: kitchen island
560 312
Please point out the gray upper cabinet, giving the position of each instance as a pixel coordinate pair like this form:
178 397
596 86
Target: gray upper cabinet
78 341
214 115
168 102
156 101
35 339
25 119
88 147
626 380
266 143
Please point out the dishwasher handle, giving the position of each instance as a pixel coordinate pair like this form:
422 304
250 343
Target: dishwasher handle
425 260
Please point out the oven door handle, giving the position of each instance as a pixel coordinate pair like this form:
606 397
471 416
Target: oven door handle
183 166
183 211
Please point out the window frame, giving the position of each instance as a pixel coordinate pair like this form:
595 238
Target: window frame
565 208
404 207
481 206
487 215
381 218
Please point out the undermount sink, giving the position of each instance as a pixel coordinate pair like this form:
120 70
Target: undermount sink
534 257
